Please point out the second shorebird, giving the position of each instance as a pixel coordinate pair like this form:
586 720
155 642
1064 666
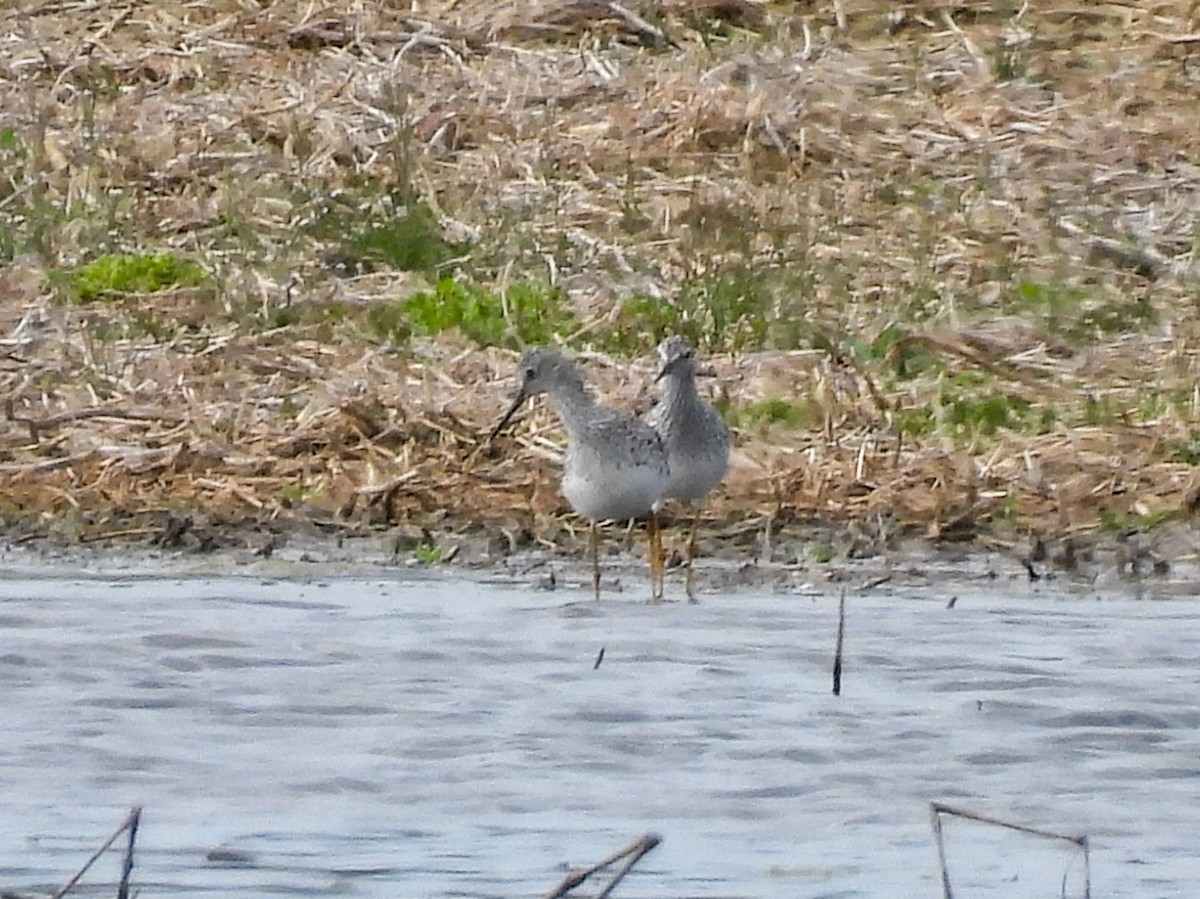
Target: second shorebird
615 465
696 439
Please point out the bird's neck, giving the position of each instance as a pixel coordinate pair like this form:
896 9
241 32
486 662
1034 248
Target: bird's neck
573 404
679 390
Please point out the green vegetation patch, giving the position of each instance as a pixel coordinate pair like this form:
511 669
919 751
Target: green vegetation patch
1120 522
1076 312
428 554
1188 452
774 410
964 410
10 142
122 274
722 312
12 154
410 241
526 314
387 323
906 358
982 415
398 232
641 323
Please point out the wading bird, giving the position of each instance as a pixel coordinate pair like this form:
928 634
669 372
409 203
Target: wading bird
695 437
615 466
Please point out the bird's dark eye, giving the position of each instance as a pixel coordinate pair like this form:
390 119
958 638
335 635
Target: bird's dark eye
529 372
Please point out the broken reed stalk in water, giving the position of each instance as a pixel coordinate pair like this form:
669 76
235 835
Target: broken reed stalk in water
135 818
937 809
632 854
837 651
131 824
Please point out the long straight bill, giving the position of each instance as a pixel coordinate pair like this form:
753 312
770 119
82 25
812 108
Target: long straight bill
512 410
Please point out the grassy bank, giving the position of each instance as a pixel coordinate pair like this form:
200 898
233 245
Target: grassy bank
263 268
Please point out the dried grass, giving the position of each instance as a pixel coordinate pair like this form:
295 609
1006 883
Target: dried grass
891 164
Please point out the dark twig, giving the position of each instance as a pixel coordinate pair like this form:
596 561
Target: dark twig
632 855
130 823
632 860
127 867
937 809
938 839
837 652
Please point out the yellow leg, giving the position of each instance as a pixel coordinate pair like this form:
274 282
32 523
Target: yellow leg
655 552
595 562
690 554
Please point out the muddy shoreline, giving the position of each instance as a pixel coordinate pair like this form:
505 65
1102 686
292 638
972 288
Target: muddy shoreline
1160 564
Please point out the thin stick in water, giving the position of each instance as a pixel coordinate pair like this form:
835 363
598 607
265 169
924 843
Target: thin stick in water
937 809
130 822
632 855
644 845
837 652
127 867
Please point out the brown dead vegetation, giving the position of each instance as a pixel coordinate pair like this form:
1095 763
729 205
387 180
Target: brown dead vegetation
894 165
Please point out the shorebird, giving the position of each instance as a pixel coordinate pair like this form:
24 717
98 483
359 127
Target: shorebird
693 433
615 466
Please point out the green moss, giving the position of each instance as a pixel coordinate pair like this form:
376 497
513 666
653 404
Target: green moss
12 156
122 274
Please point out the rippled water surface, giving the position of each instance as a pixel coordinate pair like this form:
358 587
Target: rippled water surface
446 738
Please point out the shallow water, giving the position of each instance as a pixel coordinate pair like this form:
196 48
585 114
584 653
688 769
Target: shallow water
447 738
